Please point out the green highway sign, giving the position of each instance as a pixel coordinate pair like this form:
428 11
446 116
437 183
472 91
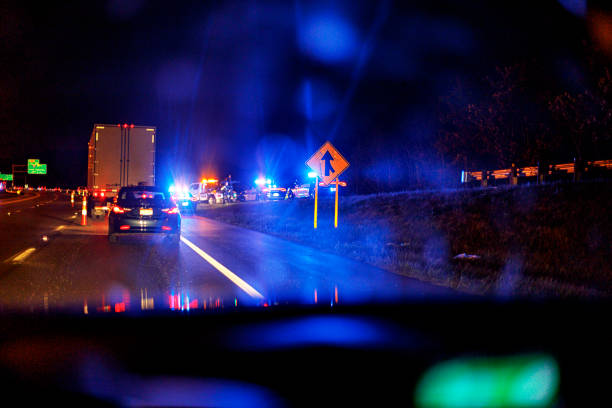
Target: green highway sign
34 167
6 177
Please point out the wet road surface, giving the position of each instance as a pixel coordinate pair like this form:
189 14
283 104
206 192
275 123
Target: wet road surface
49 260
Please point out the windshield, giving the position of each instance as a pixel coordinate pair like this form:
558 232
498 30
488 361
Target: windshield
308 154
377 148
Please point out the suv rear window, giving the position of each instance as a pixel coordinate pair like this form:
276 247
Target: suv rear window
127 196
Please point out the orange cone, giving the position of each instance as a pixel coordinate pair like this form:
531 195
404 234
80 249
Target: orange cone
84 212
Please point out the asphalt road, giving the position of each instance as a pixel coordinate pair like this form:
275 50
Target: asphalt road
49 260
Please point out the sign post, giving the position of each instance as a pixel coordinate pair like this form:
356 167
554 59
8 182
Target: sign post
328 164
316 200
336 206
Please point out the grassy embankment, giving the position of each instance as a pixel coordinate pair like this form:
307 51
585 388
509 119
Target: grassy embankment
532 240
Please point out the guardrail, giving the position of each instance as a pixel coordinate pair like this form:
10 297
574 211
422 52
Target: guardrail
540 172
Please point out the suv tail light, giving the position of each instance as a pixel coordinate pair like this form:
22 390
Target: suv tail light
173 210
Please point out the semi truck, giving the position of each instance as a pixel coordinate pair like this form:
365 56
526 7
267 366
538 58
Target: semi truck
120 155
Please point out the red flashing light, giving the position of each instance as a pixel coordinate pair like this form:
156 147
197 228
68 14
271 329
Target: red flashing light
95 194
119 307
118 125
132 126
144 196
102 194
124 227
173 210
166 228
125 125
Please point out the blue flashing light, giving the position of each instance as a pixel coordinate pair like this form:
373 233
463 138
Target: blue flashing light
171 189
312 174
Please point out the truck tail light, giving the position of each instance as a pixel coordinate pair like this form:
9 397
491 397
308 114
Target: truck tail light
124 227
173 210
166 228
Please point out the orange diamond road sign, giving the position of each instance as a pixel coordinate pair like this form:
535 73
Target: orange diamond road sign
328 163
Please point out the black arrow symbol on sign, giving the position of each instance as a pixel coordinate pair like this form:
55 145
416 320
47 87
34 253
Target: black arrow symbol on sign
328 169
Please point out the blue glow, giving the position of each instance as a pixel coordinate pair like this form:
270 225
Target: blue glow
312 174
307 95
328 38
263 181
171 189
576 7
202 393
314 331
318 99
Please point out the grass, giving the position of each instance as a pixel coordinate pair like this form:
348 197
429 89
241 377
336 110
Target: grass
553 239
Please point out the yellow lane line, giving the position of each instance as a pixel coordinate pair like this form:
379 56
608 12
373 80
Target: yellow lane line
20 257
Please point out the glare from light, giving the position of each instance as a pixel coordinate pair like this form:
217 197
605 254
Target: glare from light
329 38
576 7
514 381
312 174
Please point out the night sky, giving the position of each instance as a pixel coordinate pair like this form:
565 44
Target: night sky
252 87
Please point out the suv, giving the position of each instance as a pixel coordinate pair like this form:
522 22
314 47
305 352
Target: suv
144 210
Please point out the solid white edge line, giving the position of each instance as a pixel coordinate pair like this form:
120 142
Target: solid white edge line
21 255
228 274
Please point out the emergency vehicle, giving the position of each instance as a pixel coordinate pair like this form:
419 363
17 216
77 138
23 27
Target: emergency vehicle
299 191
206 191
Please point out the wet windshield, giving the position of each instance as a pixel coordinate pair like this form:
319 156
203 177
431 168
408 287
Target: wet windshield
304 152
427 162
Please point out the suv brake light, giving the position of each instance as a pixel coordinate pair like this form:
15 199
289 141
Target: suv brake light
173 210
